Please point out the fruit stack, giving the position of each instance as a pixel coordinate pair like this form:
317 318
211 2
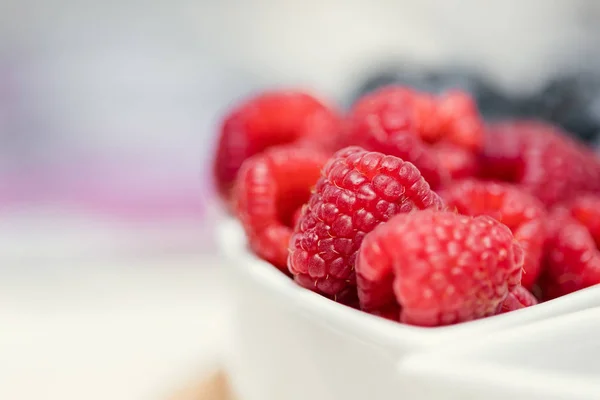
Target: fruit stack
410 206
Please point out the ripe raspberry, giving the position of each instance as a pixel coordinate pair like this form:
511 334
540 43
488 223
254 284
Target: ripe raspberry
269 189
518 298
572 260
502 154
456 161
399 102
269 119
521 212
296 216
357 191
460 122
438 268
586 209
540 158
386 129
452 117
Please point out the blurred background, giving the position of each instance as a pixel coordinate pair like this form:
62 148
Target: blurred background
109 284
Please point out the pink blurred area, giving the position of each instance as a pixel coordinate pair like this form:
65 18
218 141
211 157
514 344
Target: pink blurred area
127 189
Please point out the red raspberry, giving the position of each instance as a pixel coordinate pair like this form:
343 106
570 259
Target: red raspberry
521 212
385 129
456 161
392 102
586 209
542 159
502 155
460 122
271 118
296 216
572 259
269 189
438 268
518 298
357 191
452 117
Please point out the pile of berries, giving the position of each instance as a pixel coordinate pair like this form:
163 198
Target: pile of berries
409 206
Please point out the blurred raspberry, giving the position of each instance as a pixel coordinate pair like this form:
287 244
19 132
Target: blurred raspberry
460 122
586 209
572 260
491 101
382 127
452 117
542 159
457 162
269 119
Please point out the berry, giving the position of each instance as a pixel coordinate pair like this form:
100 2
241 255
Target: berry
438 268
394 105
357 191
586 209
540 158
269 119
489 99
520 211
572 260
459 120
269 189
386 129
504 146
296 216
518 298
457 162
452 117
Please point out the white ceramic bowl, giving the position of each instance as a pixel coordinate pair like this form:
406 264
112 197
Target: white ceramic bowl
292 344
553 359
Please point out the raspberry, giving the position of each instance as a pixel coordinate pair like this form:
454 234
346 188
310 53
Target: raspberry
572 259
456 161
504 145
451 117
540 158
518 298
586 209
296 216
357 191
521 212
391 131
269 119
532 236
269 189
438 268
460 122
392 102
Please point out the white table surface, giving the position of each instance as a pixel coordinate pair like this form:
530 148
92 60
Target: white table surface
82 318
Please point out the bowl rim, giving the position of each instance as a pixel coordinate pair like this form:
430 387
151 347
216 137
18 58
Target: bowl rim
232 243
483 361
